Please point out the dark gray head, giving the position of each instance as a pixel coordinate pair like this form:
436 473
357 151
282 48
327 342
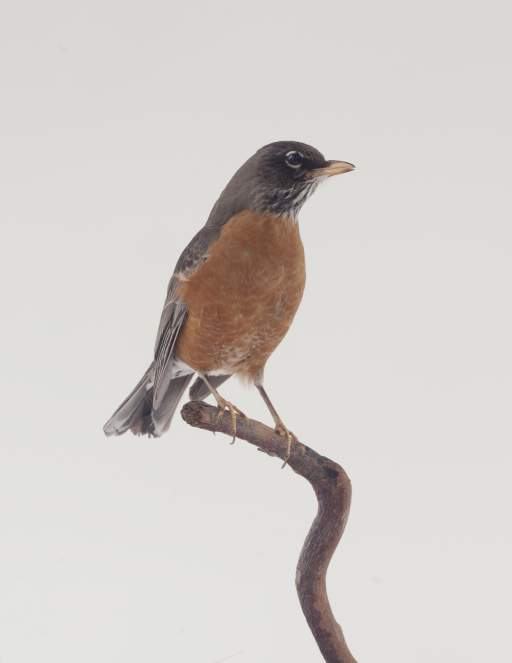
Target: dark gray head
278 179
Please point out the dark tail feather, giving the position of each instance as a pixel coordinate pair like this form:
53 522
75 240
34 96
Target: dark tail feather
163 415
136 412
199 390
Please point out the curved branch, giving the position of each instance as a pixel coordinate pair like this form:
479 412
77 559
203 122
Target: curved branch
333 491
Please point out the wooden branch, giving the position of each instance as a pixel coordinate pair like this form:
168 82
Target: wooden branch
333 492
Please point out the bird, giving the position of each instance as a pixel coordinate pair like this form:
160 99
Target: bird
234 291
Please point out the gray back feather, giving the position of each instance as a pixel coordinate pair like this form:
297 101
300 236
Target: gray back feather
234 199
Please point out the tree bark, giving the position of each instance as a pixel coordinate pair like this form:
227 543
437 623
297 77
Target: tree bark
333 491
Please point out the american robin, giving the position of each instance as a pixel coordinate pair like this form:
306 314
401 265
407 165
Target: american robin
234 292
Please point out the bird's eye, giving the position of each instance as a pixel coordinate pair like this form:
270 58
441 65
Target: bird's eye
294 159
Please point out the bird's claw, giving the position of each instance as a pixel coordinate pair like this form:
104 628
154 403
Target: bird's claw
281 429
226 406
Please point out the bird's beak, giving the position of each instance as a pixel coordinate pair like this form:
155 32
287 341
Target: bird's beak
333 168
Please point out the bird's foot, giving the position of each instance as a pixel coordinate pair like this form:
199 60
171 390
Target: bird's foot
225 406
281 429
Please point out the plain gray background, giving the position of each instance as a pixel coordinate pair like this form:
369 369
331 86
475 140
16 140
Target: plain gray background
120 123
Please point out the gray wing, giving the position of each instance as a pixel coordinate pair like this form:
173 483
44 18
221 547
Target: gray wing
174 313
233 199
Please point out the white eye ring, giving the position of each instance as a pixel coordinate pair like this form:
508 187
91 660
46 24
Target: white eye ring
292 154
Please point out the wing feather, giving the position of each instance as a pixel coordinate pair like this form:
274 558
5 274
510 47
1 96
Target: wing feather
174 313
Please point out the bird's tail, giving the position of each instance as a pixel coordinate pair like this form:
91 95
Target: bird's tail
136 412
199 390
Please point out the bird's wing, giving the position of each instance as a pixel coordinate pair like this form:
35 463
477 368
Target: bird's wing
174 313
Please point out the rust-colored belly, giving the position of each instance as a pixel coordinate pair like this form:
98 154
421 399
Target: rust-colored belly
243 298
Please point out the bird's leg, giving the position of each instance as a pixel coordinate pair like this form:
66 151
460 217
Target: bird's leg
223 405
280 428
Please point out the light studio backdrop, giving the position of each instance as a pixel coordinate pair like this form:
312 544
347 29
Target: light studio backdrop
120 122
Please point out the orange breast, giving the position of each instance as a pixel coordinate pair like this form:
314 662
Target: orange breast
243 298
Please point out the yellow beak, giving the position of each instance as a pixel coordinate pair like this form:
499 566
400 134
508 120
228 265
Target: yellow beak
333 168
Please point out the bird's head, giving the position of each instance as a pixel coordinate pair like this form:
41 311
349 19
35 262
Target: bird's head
286 173
277 179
